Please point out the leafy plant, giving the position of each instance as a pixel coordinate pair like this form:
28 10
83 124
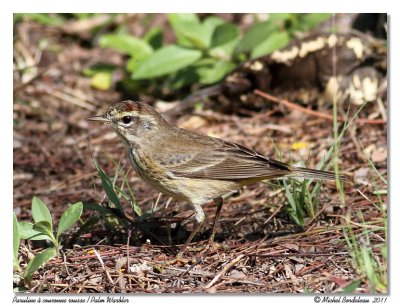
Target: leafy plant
368 262
115 212
42 229
205 50
301 202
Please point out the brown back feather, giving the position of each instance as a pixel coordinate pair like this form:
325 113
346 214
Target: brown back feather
228 161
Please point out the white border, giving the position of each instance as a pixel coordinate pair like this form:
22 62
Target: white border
156 6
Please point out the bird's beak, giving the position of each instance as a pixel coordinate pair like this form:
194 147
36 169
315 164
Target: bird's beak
100 118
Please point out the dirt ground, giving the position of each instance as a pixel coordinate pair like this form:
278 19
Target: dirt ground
260 247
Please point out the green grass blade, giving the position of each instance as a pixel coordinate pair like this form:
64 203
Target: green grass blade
108 187
96 207
351 287
368 266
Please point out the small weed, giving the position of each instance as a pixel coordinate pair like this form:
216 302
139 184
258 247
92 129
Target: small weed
43 229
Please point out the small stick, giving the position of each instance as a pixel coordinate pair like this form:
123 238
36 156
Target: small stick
316 216
310 111
274 214
297 254
127 249
224 270
103 266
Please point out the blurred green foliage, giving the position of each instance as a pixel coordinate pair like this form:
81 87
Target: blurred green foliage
205 51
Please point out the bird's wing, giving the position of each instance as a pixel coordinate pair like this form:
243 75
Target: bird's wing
226 161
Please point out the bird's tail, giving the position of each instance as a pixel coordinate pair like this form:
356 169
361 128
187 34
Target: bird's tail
307 173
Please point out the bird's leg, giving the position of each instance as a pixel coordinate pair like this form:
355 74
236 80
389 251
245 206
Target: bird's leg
199 215
219 201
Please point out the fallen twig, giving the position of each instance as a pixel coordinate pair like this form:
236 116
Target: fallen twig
224 270
103 266
312 112
297 254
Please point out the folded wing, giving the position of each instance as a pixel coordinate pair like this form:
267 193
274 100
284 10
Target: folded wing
227 161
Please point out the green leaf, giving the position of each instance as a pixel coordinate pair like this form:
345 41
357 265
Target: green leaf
85 226
101 80
255 35
26 231
223 34
40 212
136 208
200 35
154 37
96 207
44 228
351 287
16 241
184 77
209 25
45 18
132 64
82 16
275 41
166 60
309 21
96 68
177 19
20 289
197 35
128 44
307 290
101 75
36 262
368 264
206 71
224 52
380 191
384 251
279 18
69 217
294 209
190 32
179 22
108 187
213 22
214 71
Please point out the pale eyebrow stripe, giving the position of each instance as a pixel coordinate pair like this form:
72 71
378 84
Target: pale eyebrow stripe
132 113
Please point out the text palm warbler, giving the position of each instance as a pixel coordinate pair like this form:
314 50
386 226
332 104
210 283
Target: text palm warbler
189 166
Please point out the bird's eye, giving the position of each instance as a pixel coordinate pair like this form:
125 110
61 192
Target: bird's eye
127 119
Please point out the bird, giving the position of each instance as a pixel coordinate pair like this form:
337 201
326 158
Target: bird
190 166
